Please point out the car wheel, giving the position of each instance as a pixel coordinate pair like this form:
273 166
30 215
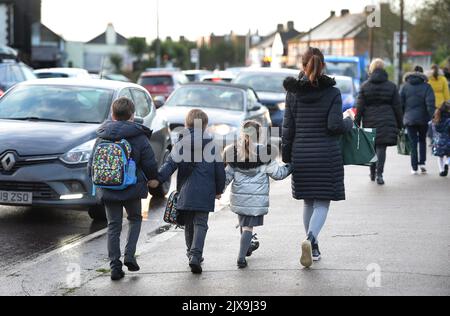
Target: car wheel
97 213
163 188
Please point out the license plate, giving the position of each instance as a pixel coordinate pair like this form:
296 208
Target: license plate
19 198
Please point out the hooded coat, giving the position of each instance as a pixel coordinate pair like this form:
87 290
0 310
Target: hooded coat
198 182
141 152
379 107
312 125
251 183
417 99
441 90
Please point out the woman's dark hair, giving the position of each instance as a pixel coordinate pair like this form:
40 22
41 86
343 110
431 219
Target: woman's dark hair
438 114
435 71
418 69
313 64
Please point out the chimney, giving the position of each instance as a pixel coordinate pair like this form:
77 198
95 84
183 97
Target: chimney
280 28
290 25
182 38
332 13
344 12
111 35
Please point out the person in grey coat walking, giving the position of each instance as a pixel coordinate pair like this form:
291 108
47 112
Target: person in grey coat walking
249 168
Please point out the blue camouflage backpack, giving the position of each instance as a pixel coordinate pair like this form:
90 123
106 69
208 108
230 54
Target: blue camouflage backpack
112 166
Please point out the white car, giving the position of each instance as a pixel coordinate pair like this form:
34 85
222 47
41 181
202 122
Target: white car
74 73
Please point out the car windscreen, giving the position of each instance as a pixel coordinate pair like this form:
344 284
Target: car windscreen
57 103
347 69
217 97
345 85
156 81
263 82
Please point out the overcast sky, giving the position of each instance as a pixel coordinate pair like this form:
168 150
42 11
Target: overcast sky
82 20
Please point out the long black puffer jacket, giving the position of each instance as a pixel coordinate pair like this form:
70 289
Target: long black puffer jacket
312 124
379 107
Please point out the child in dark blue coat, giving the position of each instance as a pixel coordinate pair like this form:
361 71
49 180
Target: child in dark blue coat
200 181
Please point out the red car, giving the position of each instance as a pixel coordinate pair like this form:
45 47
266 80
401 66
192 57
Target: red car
162 83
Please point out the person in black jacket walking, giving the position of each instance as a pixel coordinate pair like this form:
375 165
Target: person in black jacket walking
418 102
138 136
379 107
312 123
200 181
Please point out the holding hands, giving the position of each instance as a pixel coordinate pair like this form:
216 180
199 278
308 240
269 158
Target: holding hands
153 184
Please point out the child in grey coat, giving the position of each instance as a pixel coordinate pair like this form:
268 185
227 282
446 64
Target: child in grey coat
250 166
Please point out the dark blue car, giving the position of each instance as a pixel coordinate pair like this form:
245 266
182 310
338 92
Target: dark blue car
268 84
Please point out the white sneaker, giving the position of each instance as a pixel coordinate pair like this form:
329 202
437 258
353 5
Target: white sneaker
414 172
307 259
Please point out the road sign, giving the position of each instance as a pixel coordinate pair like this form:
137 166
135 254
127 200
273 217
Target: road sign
195 55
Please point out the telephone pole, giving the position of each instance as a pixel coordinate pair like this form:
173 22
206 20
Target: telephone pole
402 31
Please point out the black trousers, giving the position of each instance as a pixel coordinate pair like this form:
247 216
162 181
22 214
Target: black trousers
418 137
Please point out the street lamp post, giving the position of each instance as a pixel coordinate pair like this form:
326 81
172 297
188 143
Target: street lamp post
158 41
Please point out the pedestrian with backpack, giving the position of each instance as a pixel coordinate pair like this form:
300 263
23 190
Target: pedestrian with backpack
199 182
121 165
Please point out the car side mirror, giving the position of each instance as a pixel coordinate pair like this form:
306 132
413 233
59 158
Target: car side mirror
159 101
139 120
255 108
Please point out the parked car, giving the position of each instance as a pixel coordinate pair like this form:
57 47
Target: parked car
219 76
235 71
47 133
348 91
268 84
62 73
12 71
116 77
227 105
162 84
196 75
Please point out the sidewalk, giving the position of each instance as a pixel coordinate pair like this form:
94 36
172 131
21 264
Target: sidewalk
402 228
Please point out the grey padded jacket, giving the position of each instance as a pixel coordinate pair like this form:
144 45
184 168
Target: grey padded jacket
251 186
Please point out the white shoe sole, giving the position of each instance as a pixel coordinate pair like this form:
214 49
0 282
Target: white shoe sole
316 259
306 260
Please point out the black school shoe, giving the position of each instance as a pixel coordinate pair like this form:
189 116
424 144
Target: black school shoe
195 265
254 246
132 266
117 274
242 263
445 172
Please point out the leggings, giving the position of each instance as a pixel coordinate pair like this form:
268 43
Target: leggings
314 216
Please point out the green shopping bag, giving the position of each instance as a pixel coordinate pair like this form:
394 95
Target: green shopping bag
404 143
358 146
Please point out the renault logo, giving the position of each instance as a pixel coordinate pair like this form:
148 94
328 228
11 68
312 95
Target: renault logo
8 162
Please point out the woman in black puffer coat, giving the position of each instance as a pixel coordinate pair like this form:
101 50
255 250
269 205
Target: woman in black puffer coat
379 107
312 123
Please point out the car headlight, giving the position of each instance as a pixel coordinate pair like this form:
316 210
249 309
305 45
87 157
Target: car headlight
282 106
222 129
80 154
